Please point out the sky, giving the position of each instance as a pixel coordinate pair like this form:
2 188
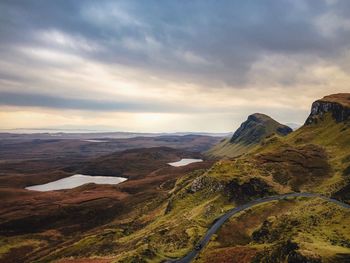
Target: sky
166 66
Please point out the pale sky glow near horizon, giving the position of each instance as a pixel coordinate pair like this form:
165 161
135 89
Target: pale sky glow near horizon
168 66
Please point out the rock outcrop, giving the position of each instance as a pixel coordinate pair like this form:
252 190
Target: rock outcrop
206 182
254 130
244 192
338 105
257 127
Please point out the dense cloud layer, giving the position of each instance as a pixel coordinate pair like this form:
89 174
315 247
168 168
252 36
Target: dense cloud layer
186 57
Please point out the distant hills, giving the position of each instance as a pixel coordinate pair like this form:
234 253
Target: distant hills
45 133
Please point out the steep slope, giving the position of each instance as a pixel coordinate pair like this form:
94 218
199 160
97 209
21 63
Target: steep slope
316 155
314 158
251 132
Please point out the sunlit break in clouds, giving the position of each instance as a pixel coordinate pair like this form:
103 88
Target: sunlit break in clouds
168 65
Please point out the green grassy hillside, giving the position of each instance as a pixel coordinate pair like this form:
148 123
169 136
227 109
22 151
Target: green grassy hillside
314 158
295 230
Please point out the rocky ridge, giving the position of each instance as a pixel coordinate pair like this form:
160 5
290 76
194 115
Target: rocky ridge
257 127
253 131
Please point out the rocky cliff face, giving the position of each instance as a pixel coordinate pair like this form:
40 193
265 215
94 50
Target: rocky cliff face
338 105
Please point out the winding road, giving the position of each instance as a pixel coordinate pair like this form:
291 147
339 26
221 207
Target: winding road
219 222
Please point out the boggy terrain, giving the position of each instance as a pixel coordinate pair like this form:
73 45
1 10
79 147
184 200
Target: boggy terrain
172 208
18 147
32 224
35 159
293 230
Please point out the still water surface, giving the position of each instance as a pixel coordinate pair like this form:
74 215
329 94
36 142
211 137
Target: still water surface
75 181
184 162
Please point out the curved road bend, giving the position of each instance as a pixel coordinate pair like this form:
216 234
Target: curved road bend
214 228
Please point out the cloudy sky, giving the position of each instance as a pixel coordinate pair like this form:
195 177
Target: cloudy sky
181 65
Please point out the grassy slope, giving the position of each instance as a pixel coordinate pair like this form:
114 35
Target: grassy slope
227 149
333 138
320 230
173 227
326 143
341 98
154 231
330 137
170 227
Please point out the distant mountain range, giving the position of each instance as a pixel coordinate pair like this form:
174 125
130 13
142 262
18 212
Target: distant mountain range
93 134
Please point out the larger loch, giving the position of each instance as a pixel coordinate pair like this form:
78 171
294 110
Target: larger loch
75 181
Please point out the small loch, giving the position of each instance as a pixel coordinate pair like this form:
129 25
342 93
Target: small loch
184 162
94 141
